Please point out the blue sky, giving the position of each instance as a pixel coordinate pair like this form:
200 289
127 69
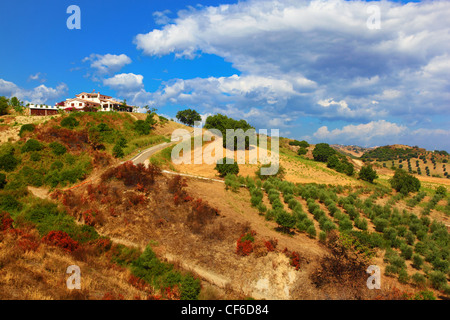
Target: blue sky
312 69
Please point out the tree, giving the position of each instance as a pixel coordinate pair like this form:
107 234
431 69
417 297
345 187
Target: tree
404 182
150 119
222 123
322 152
302 151
69 122
117 151
3 106
188 117
2 180
367 173
285 220
225 168
141 127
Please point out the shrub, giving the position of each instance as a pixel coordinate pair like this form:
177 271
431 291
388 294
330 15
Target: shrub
8 162
141 127
438 279
404 182
417 261
302 151
322 152
285 220
419 279
61 239
9 203
26 128
35 156
367 173
32 145
232 182
118 151
244 245
311 231
57 148
380 224
403 276
228 166
2 180
275 172
322 237
69 122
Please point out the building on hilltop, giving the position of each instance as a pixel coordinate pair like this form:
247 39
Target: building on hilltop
84 101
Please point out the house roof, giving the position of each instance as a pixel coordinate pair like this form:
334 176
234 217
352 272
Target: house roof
92 94
82 100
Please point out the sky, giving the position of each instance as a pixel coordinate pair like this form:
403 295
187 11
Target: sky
321 70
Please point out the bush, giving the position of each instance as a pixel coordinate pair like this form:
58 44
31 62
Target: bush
279 174
32 145
26 128
403 276
2 180
57 148
141 127
404 182
117 151
367 173
417 261
419 279
225 168
69 122
285 220
302 151
8 162
311 231
35 156
438 280
322 152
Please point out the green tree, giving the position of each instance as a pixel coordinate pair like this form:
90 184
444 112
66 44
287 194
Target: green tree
69 122
285 220
117 151
3 106
2 180
225 168
222 123
404 182
188 117
322 152
141 127
367 173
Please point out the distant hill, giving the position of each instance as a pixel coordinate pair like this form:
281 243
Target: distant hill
352 150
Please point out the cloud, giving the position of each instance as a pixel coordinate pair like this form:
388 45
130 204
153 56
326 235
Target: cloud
126 84
323 42
36 77
39 94
161 17
107 64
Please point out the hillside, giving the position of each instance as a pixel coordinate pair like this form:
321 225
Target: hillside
72 198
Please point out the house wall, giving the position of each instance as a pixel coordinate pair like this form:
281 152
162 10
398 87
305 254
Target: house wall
42 112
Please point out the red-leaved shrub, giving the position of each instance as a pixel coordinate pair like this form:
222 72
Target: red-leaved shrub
61 239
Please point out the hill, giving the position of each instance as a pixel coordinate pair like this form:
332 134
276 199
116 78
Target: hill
70 198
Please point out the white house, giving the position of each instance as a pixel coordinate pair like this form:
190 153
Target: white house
95 101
